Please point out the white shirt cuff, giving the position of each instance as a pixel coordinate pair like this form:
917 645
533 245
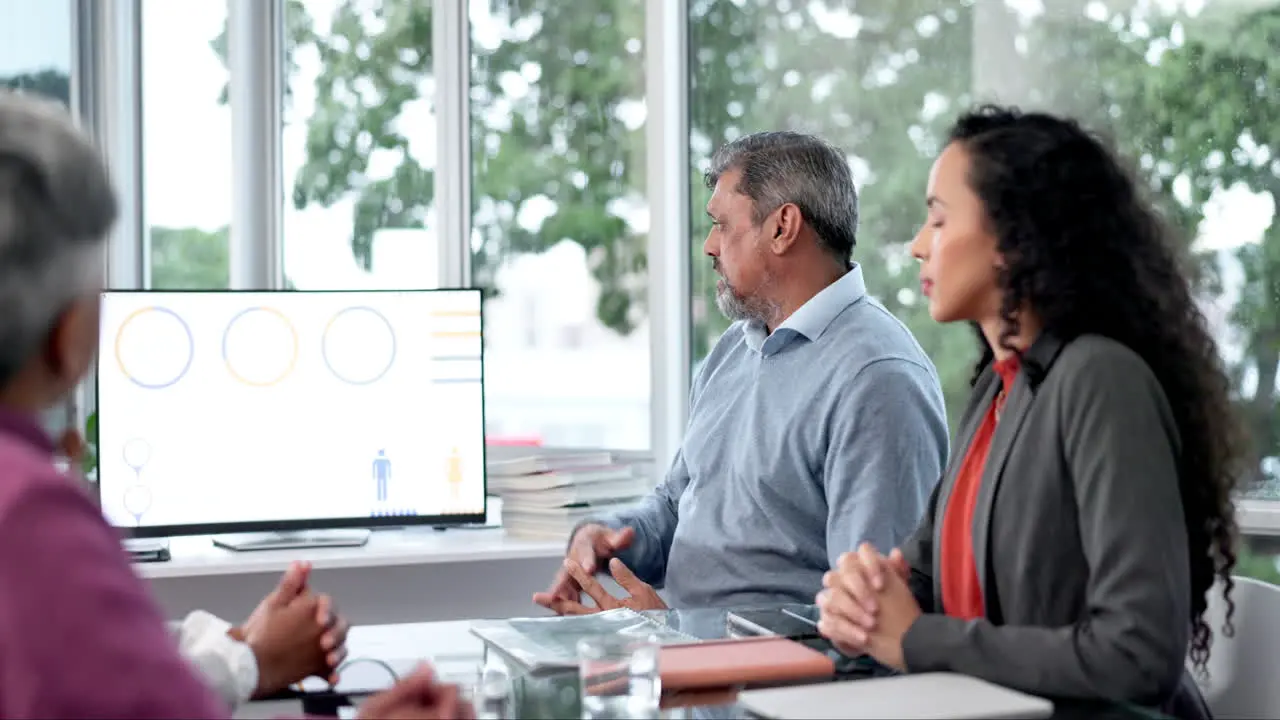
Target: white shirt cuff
227 664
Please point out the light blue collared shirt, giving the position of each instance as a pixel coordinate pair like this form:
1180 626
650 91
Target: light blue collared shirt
801 444
811 319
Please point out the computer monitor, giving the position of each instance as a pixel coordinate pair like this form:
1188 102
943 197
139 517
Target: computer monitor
241 412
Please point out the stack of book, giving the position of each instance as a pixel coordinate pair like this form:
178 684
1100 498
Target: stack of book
545 493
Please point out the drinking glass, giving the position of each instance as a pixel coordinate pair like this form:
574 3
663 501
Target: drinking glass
492 697
619 677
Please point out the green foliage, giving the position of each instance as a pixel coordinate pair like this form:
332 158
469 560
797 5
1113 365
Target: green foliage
561 141
1191 101
564 140
1213 108
50 83
865 96
89 463
190 259
1259 566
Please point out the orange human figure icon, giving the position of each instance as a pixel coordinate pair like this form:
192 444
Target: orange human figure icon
454 476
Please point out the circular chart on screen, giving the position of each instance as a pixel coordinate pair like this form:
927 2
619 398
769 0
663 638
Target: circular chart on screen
359 345
137 501
154 347
137 453
260 347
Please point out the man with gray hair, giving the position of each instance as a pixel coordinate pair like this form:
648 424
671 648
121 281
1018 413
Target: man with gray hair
816 422
81 636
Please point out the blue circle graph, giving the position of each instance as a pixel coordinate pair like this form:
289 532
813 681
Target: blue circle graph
373 315
191 348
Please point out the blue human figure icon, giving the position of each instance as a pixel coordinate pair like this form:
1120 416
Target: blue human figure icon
382 473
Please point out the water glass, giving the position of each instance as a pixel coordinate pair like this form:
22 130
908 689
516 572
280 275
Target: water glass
492 695
619 677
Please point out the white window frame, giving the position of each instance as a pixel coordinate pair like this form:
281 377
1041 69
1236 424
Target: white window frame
1258 517
451 66
255 61
106 94
107 84
666 45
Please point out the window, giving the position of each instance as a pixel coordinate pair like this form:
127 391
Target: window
35 48
560 219
186 151
1259 558
359 146
1186 88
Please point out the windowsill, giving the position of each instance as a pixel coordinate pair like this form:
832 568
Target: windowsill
197 556
1258 517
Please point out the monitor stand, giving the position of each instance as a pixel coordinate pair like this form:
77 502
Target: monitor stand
142 550
292 539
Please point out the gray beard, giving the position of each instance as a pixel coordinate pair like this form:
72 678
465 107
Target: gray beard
737 307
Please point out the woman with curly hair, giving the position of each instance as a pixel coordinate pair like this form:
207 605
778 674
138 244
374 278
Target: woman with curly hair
1087 509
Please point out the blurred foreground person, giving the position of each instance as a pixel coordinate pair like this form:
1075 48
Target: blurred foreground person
81 636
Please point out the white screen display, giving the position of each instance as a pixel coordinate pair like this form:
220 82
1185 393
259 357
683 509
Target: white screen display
235 407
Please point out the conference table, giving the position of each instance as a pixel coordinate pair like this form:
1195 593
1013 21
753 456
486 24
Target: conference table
379 651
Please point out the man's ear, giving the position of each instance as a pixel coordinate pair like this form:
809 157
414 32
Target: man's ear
787 222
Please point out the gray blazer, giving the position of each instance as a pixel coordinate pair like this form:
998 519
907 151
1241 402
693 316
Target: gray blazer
1078 533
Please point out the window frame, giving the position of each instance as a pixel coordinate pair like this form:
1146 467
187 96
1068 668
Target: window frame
107 88
106 96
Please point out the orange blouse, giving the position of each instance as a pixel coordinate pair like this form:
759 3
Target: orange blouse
961 587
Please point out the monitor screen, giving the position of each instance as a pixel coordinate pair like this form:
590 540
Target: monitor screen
243 411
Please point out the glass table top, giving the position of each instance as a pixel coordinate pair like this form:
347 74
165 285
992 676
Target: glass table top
554 693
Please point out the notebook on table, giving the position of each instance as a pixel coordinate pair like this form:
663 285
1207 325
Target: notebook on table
737 662
927 696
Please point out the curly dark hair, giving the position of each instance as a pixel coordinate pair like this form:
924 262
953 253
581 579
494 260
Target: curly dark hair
1085 248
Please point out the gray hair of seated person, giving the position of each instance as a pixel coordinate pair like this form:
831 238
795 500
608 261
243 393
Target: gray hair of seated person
781 167
57 207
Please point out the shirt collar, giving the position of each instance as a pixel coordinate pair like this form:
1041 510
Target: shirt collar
813 318
1007 369
26 428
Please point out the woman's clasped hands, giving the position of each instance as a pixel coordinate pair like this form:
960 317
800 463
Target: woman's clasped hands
867 606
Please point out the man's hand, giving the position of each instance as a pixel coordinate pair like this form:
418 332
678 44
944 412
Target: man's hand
294 634
415 697
590 545
641 595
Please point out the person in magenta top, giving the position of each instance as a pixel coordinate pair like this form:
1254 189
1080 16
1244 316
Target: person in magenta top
79 634
1087 509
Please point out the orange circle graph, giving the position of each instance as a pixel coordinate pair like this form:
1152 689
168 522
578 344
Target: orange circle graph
293 355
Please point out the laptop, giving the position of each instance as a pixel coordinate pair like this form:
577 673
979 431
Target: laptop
927 696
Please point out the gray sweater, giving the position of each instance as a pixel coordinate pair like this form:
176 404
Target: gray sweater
801 445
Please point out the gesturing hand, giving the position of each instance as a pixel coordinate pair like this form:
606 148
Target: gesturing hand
641 595
418 697
589 545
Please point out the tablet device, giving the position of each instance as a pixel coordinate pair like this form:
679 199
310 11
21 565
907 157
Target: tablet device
937 696
773 621
804 613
